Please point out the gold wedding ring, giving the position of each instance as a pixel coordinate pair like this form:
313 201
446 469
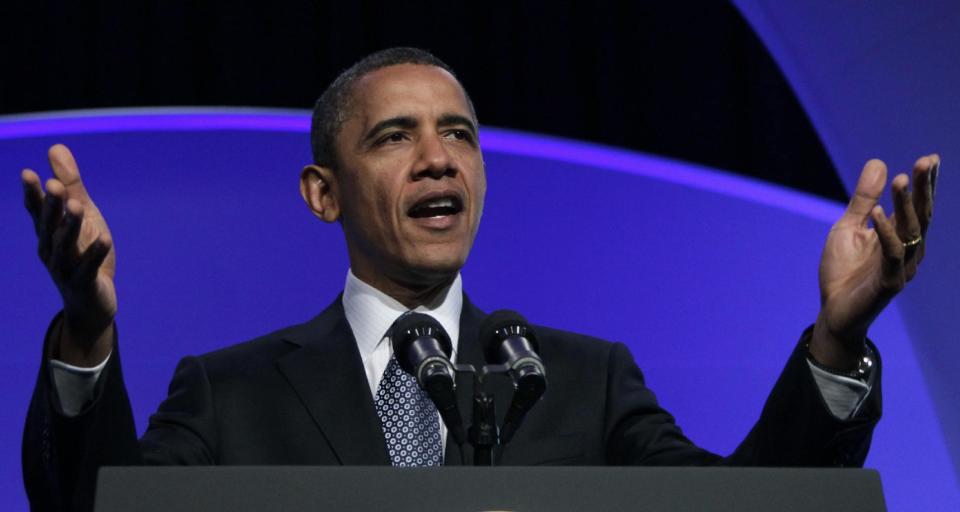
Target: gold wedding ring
913 243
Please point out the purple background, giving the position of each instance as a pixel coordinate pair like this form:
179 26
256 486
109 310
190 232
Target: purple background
708 277
879 79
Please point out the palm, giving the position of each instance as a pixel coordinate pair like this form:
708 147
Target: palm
849 277
100 294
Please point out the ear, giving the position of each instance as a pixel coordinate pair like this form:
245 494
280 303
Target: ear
318 187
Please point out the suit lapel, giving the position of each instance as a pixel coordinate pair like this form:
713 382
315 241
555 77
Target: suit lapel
328 376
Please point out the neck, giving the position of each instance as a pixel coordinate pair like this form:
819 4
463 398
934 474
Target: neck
410 294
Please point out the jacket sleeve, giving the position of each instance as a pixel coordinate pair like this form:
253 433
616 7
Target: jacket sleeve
796 427
61 454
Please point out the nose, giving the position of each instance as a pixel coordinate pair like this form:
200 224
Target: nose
434 160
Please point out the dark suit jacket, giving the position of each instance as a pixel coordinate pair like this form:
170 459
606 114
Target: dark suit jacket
299 396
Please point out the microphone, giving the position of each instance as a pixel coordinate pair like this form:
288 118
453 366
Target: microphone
508 339
423 349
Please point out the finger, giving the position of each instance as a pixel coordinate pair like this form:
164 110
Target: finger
32 195
934 177
905 217
891 246
92 259
66 170
867 194
52 212
64 252
923 190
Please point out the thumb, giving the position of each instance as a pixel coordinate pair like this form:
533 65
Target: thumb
66 170
869 188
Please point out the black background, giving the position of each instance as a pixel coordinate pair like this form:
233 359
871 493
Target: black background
684 79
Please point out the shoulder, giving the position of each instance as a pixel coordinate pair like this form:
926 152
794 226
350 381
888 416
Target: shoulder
256 352
262 352
569 339
562 346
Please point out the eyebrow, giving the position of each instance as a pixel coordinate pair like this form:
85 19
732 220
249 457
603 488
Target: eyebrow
405 122
408 123
458 120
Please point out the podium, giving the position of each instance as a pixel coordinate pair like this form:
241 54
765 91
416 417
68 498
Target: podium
469 489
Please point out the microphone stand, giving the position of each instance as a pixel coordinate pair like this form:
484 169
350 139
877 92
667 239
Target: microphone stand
483 434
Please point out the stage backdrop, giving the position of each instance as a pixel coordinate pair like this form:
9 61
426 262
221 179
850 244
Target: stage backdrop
708 277
879 79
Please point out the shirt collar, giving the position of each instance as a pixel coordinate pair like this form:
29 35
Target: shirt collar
371 312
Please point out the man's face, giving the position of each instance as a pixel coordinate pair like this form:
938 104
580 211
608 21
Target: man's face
411 176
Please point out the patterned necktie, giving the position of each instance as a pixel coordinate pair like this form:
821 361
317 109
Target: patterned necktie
410 420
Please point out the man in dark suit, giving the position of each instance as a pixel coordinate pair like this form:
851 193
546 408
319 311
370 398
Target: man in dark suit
397 162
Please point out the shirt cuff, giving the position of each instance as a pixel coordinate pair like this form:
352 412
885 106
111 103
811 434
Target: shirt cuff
843 395
75 385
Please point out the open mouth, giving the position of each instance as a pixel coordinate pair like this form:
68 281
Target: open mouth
436 206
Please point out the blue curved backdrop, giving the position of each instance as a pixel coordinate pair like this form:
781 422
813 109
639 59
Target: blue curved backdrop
708 277
879 79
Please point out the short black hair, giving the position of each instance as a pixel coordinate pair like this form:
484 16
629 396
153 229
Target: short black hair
331 108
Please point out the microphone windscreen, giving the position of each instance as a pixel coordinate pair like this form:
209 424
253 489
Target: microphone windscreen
412 326
500 324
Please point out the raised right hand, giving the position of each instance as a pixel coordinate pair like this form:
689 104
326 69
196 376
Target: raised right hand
76 247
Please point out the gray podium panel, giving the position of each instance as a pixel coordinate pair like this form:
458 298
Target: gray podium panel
467 489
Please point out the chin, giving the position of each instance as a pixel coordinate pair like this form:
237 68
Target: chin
432 268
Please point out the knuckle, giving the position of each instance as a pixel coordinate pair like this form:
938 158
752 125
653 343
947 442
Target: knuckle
896 256
895 283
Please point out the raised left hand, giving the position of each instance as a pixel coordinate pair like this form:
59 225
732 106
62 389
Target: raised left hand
863 267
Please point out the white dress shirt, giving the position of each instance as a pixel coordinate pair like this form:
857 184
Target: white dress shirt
370 314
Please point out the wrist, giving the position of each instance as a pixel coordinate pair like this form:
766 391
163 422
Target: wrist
81 348
836 353
860 372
